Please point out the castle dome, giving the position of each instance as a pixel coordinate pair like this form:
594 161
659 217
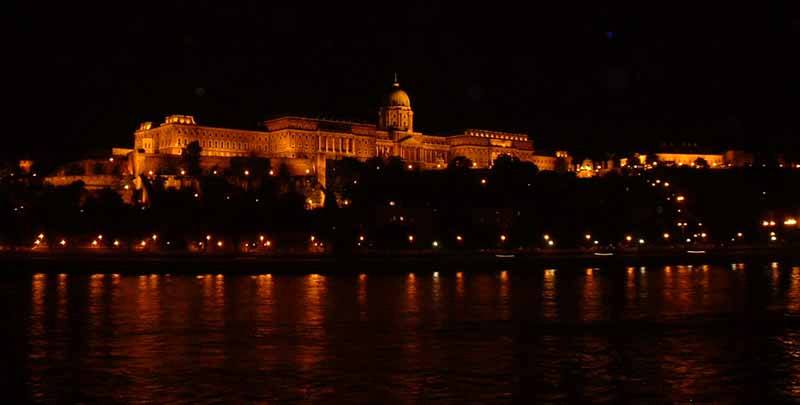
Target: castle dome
397 97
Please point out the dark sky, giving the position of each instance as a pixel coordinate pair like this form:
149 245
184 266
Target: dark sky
599 79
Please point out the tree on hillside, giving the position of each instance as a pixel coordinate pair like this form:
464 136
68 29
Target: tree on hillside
191 157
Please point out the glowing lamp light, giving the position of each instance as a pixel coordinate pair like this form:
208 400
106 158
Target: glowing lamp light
116 243
183 172
361 238
666 235
739 234
503 238
628 238
111 159
271 173
247 172
37 242
411 238
410 167
150 172
219 243
100 237
63 242
641 241
94 243
127 187
680 198
550 243
143 243
765 223
154 236
546 237
790 222
435 244
208 237
308 171
773 238
312 238
196 195
703 235
459 238
483 181
261 238
269 243
41 236
391 203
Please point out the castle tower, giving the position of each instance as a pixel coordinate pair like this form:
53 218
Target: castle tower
396 113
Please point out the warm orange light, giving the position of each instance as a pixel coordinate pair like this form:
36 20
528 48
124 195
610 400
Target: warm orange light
312 238
503 238
271 173
588 236
63 242
247 172
183 172
680 198
143 243
100 237
361 238
411 238
628 238
116 243
154 236
94 243
269 243
550 243
435 244
483 181
41 236
208 237
459 238
546 237
790 222
219 243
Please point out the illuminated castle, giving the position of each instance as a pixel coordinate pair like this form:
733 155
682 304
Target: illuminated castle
305 144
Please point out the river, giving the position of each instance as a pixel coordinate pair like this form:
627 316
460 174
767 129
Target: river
704 333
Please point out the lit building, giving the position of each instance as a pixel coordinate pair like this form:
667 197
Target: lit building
305 144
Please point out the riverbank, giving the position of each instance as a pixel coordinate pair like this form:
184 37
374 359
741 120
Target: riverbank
385 261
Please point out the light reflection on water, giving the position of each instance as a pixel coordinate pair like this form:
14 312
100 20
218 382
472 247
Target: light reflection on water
674 333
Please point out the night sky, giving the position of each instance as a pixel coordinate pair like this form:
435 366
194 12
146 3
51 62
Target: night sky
591 80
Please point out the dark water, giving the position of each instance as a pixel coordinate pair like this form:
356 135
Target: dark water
722 334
